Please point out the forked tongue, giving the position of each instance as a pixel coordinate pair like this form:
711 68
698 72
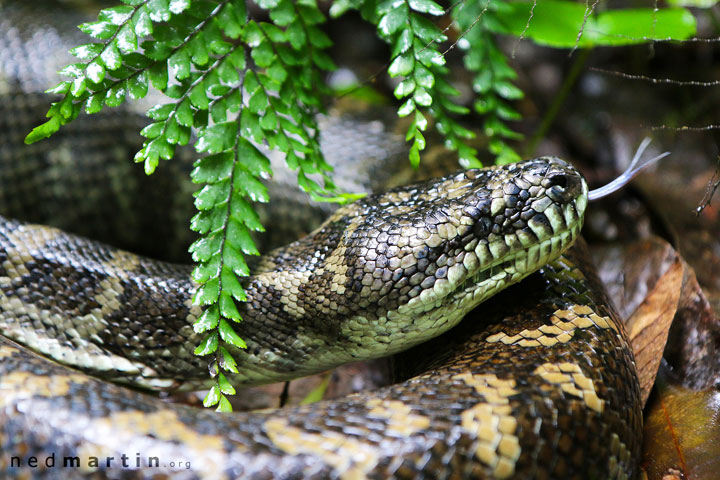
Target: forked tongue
636 166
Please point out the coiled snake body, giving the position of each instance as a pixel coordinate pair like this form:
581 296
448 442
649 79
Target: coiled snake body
537 384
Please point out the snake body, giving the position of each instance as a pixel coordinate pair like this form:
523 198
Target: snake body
539 384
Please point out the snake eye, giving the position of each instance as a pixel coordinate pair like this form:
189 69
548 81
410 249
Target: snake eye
559 180
561 186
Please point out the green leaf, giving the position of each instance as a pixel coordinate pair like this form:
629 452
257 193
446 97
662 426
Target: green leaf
253 159
138 85
159 11
225 386
425 30
143 24
420 121
402 65
557 23
115 95
393 20
74 70
426 6
403 43
323 61
507 90
88 51
623 27
227 73
250 186
111 56
338 7
207 247
60 88
178 6
176 134
215 138
184 113
161 111
240 236
228 309
430 57
268 4
179 64
208 320
229 336
159 76
43 131
310 13
100 30
207 293
208 345
210 268
95 71
94 103
414 155
250 125
224 405
263 54
404 88
237 57
283 14
258 101
212 397
115 15
126 39
210 196
269 121
693 3
152 130
230 283
227 362
229 22
422 97
198 97
198 50
406 108
318 38
424 77
235 262
213 168
78 87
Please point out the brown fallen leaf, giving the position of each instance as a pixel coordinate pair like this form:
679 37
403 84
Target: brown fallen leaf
682 433
649 325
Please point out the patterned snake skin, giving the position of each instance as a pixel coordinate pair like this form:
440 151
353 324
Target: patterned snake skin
537 383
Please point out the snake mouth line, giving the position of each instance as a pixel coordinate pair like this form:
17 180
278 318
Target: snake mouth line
485 282
519 264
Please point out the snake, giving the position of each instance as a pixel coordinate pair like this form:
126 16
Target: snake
538 381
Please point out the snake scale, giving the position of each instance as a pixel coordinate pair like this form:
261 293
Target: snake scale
539 382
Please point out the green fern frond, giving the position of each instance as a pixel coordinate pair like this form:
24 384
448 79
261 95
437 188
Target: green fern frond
493 76
416 59
237 83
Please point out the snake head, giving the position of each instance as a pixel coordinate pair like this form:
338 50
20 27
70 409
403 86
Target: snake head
489 228
414 260
508 222
419 257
